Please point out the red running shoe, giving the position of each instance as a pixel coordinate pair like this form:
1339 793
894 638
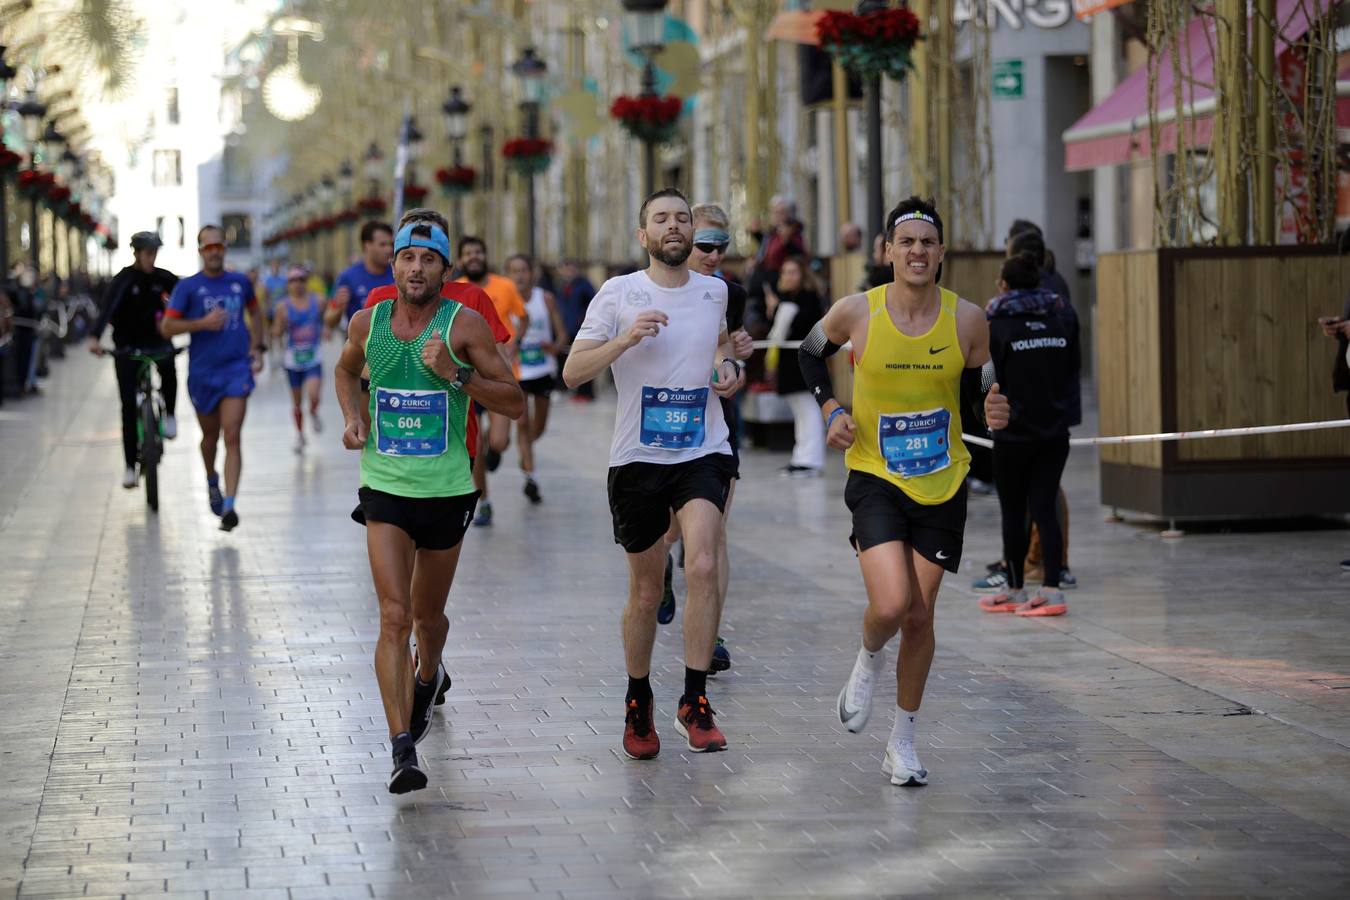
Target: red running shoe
695 722
639 734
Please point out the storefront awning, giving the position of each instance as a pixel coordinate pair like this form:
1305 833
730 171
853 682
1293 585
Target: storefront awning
1117 130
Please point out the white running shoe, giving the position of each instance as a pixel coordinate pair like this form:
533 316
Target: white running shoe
902 765
170 427
299 445
315 423
129 477
855 700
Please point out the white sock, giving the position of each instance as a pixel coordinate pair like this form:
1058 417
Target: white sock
872 659
904 726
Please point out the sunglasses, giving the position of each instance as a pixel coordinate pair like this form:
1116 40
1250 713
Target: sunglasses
710 248
211 247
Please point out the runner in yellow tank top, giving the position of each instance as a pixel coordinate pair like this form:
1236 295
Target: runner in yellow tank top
919 350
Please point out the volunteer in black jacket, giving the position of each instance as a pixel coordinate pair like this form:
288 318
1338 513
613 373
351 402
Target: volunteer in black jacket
134 305
1034 344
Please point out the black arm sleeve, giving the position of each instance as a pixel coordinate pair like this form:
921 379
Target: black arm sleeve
811 356
975 383
116 291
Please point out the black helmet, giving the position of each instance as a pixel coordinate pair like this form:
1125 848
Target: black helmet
146 240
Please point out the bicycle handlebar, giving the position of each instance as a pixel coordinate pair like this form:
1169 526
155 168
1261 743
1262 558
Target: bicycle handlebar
127 352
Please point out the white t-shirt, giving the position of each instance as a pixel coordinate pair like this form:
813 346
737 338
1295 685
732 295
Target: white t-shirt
667 411
534 362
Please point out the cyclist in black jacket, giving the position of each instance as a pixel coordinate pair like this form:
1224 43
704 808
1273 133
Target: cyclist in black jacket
1034 344
135 303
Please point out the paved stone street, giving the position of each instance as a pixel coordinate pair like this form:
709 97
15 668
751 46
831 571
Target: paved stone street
194 713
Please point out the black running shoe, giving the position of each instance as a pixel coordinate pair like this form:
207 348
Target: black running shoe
665 613
407 775
494 459
532 491
229 521
215 498
424 702
721 658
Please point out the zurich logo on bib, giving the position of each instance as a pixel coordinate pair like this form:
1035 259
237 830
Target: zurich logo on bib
673 419
914 444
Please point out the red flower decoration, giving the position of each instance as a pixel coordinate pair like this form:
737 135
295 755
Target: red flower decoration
371 206
414 193
527 147
460 176
876 43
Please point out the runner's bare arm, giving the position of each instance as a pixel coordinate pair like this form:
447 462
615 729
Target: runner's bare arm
333 314
492 384
589 358
973 329
730 377
347 379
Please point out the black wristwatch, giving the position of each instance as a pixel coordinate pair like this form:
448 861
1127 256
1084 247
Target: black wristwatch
463 375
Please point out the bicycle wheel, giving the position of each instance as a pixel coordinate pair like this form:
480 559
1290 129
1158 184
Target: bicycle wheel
150 444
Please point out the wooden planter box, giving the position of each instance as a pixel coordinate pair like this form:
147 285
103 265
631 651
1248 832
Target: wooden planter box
1201 338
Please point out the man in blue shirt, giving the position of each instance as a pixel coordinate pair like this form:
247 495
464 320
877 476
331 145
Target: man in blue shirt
213 306
352 285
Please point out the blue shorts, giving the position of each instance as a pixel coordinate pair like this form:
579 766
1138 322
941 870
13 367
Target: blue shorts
298 377
207 389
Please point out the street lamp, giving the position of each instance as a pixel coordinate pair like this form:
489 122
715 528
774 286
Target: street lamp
416 147
345 178
645 21
327 194
531 71
31 110
456 111
6 73
373 166
872 106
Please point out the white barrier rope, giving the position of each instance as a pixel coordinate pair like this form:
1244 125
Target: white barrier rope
1184 435
1137 438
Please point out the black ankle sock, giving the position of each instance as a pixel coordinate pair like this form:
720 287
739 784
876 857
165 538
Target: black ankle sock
639 689
695 683
401 738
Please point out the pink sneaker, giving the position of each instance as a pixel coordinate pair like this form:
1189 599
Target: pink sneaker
1004 601
1045 602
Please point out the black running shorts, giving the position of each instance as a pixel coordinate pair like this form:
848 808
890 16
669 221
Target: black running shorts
433 523
883 513
641 495
539 387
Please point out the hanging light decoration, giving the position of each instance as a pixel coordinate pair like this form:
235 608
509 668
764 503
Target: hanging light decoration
286 93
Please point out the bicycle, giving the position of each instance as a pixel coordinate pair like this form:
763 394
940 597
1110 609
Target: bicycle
149 415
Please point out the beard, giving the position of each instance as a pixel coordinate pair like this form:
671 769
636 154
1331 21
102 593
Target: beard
420 295
670 256
475 270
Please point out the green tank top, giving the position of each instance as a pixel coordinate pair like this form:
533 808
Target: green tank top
416 446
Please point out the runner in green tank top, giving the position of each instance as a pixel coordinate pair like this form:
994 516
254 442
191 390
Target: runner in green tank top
428 358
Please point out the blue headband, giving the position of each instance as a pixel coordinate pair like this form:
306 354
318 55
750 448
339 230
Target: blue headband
436 241
711 236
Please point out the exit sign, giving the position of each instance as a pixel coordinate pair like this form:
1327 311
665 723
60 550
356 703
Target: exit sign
1006 79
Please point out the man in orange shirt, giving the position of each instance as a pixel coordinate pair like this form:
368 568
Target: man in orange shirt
473 262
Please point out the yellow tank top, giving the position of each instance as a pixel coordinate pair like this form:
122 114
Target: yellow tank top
906 402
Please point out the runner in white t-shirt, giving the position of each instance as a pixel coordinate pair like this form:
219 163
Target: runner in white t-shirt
663 333
537 364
